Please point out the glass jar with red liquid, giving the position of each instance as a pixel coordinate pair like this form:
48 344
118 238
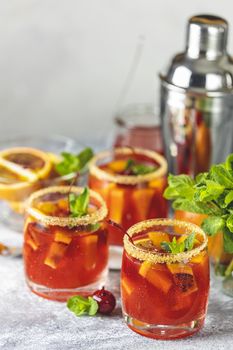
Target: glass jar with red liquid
130 198
64 255
164 294
137 125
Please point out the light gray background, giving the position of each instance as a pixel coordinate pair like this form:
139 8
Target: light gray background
63 62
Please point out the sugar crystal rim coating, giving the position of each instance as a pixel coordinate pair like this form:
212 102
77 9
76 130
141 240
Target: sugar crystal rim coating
159 257
92 218
128 179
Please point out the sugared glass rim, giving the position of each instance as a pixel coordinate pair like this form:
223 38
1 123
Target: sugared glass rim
158 257
101 174
93 218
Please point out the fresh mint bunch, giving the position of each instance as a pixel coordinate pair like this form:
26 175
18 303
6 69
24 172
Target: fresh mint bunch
72 163
210 193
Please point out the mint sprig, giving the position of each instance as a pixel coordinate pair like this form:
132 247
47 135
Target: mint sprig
176 247
78 204
210 193
82 306
72 163
138 168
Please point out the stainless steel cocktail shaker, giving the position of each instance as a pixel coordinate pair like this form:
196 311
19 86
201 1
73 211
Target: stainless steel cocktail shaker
197 99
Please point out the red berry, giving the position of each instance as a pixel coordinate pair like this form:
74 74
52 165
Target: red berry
106 301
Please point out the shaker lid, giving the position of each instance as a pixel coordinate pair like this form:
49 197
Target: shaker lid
205 65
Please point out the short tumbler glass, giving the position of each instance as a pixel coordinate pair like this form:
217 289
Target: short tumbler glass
164 295
64 255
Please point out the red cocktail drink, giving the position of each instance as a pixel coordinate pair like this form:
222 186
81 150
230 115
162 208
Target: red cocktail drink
64 255
130 196
164 294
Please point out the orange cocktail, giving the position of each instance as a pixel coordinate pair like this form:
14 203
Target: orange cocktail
64 255
165 293
132 192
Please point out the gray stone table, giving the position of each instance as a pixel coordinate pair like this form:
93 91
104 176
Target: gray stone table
30 322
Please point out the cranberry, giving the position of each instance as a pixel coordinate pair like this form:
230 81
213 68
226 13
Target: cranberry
106 301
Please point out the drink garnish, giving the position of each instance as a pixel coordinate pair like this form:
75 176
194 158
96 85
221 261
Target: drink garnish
102 301
82 306
78 204
176 247
210 193
134 168
72 163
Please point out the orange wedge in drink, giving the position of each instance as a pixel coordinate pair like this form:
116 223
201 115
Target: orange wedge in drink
116 204
20 170
57 249
158 237
183 277
142 199
117 166
90 251
156 275
127 286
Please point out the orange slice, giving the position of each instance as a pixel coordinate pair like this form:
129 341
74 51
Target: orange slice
57 249
158 237
199 259
55 254
117 166
20 169
90 251
156 275
116 205
142 199
183 277
31 237
159 183
127 286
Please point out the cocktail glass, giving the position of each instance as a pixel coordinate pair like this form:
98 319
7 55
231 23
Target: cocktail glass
164 295
64 255
129 198
138 125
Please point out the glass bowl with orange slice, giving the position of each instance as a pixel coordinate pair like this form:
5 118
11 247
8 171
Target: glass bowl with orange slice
65 242
27 164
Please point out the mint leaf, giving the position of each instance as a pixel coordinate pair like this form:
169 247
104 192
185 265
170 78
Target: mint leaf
221 175
138 168
228 241
176 247
69 164
78 204
209 191
93 306
229 223
179 186
229 163
196 207
173 247
166 246
84 157
229 197
201 178
72 163
189 242
213 225
82 306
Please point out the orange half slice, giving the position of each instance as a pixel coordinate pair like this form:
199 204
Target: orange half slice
20 169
